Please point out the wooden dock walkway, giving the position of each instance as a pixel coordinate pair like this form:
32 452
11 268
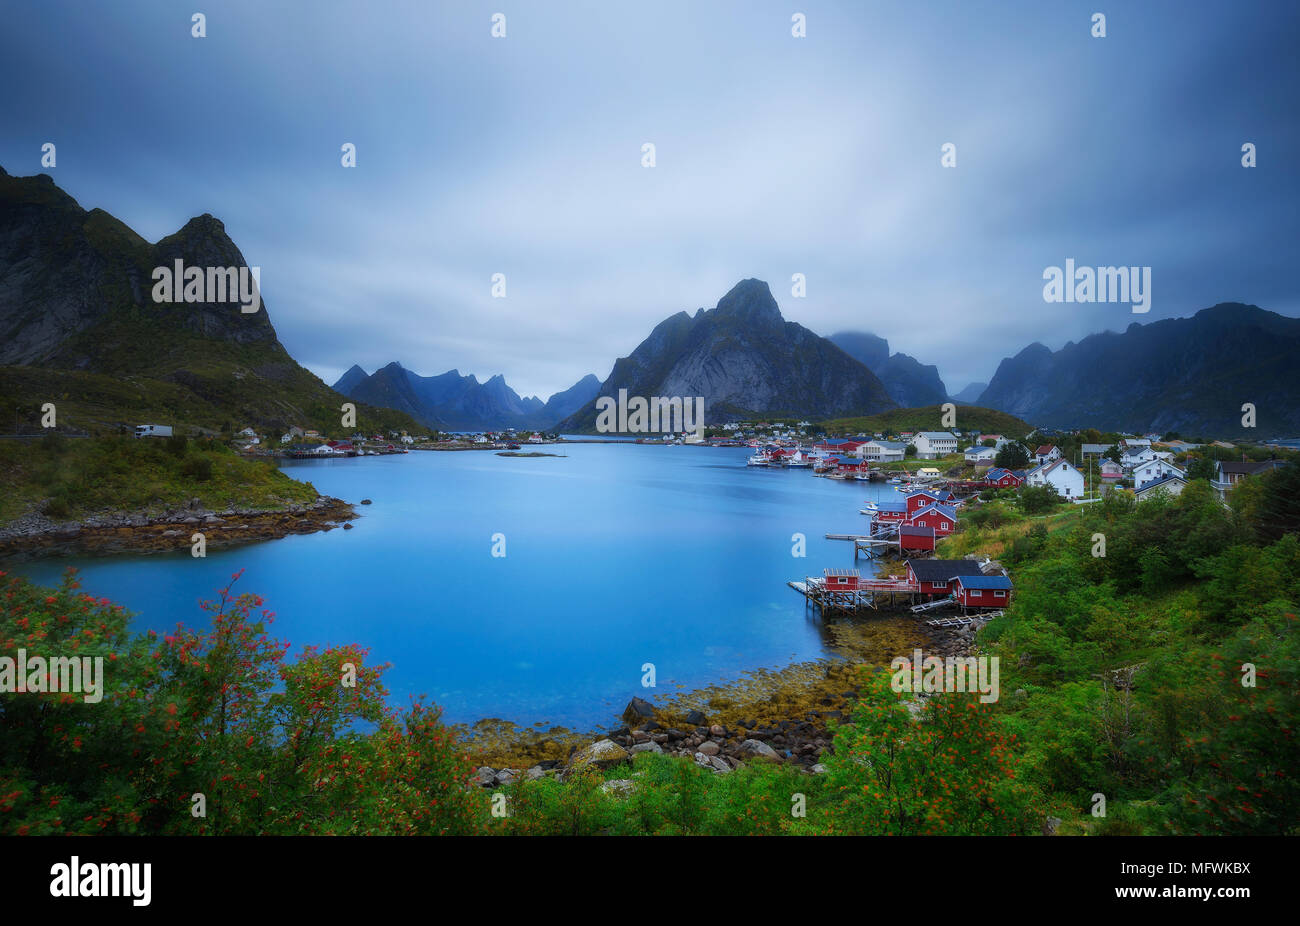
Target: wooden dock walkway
868 594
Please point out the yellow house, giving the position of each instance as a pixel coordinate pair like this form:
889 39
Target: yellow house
928 471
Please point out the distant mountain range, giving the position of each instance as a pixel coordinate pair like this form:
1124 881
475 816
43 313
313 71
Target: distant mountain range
970 395
79 326
909 382
452 402
1190 375
746 361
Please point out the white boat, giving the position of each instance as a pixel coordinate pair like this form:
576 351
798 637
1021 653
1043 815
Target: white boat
759 459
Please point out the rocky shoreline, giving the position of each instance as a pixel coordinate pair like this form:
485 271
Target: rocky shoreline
35 535
721 743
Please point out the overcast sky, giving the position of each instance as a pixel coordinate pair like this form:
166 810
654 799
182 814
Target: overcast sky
775 155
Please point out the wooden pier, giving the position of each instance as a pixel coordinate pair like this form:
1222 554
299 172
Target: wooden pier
883 538
844 590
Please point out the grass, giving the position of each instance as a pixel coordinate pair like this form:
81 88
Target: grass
72 478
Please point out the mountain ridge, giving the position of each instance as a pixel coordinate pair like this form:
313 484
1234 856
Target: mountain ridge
746 360
909 382
78 320
452 402
1191 375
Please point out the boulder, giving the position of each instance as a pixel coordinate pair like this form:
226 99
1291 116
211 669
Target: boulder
759 749
619 787
696 719
600 754
485 777
647 747
708 747
638 709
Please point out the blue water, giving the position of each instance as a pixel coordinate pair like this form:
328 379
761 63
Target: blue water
616 555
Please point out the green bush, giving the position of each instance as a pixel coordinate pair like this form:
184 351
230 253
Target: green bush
197 467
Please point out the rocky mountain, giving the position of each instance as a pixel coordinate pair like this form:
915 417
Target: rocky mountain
79 323
970 395
746 360
1190 375
563 404
909 382
452 402
350 380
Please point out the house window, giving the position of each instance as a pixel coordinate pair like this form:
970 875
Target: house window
940 584
999 594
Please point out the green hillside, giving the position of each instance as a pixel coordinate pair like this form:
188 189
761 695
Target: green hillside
929 418
80 327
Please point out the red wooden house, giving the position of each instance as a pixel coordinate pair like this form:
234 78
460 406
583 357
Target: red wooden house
1003 478
842 580
891 511
982 591
919 499
934 576
916 538
941 518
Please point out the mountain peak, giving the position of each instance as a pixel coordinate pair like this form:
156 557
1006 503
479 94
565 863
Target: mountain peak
751 300
204 223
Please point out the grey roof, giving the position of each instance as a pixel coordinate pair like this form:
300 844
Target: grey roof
943 570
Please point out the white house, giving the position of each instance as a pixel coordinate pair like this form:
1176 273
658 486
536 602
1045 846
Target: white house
1154 470
1047 453
1170 485
1134 457
1110 470
980 455
882 451
931 445
1061 475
